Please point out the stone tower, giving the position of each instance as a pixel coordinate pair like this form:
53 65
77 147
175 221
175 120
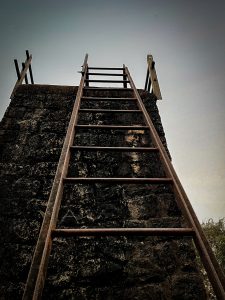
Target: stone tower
129 266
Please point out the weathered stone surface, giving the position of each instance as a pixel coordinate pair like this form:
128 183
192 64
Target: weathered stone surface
111 138
112 104
31 137
122 268
98 205
111 118
119 164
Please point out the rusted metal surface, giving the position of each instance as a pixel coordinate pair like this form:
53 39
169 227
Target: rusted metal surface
117 180
113 127
211 265
107 88
126 149
123 231
107 99
86 110
38 269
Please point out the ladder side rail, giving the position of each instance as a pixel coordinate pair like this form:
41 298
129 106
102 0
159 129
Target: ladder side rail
153 78
210 263
22 74
35 282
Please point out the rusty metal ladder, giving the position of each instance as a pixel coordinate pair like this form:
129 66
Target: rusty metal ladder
38 269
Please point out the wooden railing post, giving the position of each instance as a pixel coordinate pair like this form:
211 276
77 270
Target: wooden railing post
30 69
23 74
25 77
17 68
151 79
124 77
147 80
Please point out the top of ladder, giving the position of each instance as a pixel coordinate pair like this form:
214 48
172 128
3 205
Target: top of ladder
151 82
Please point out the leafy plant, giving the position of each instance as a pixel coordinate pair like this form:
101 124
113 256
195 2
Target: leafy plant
215 233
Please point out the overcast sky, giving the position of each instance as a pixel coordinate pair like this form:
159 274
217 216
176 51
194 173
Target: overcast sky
187 40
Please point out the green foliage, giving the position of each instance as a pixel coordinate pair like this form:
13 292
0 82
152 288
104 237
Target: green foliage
215 232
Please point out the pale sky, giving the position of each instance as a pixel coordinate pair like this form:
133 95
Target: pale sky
187 40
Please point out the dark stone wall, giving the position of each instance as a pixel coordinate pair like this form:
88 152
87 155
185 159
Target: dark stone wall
31 138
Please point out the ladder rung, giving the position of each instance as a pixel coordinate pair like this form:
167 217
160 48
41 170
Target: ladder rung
126 149
107 99
116 180
112 81
86 110
123 231
107 88
99 68
113 127
105 74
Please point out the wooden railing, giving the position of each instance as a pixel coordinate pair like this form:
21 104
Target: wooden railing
22 75
151 83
